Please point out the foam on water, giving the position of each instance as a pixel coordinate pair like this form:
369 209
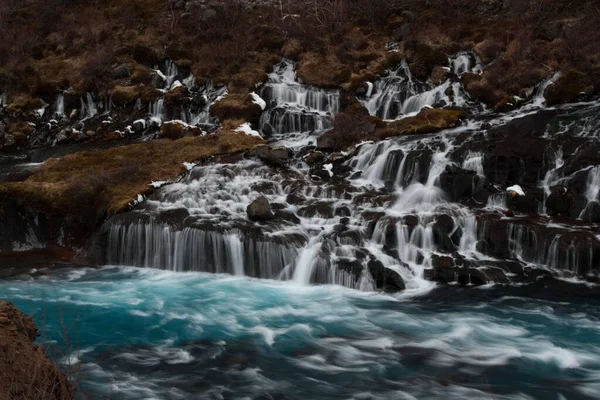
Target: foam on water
190 335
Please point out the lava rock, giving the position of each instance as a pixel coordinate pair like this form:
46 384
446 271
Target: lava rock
275 155
385 278
442 230
295 198
458 183
260 210
560 201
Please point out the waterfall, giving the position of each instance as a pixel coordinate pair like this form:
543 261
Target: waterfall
59 106
89 107
295 112
157 111
399 94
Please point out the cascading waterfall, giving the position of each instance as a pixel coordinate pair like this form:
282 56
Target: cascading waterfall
398 94
89 108
391 218
59 106
295 111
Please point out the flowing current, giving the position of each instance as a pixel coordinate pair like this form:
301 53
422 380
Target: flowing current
142 333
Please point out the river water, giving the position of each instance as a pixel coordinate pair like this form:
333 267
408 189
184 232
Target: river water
140 333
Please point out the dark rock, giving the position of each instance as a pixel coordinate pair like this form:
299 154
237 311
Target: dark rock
442 230
287 216
458 184
314 157
529 203
560 201
260 210
295 198
385 278
441 262
275 155
139 126
316 210
342 211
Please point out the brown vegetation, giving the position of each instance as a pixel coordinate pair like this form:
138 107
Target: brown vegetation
353 128
96 184
339 43
26 373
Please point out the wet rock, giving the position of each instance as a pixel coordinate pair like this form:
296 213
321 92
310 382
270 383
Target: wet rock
314 157
529 203
560 201
260 210
342 211
442 230
385 278
316 210
287 216
351 266
442 262
139 126
295 198
458 184
349 237
275 155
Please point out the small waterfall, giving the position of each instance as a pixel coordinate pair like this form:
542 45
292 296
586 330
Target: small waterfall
539 100
592 192
59 106
157 111
295 112
399 94
89 107
474 162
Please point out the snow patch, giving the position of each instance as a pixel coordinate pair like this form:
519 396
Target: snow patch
258 100
517 189
247 129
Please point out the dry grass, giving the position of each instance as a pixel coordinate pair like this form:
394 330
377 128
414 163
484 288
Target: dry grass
352 128
105 182
25 371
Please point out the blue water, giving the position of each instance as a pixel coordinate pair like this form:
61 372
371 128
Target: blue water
141 334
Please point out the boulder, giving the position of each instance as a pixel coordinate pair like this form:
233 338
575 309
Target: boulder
385 278
314 157
443 228
458 184
295 198
260 210
560 201
275 155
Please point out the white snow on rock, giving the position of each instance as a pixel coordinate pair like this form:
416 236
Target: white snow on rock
517 189
189 166
247 129
158 184
258 100
328 168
